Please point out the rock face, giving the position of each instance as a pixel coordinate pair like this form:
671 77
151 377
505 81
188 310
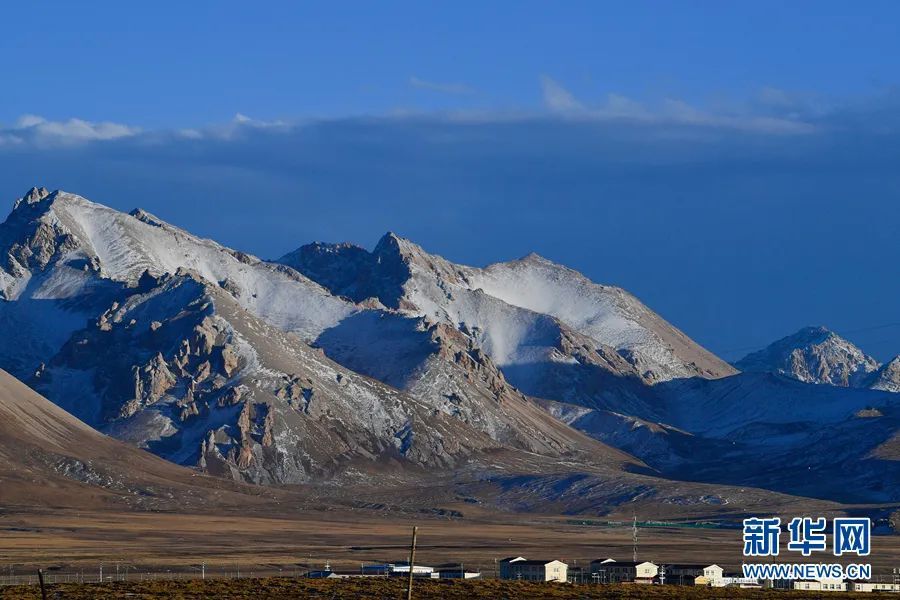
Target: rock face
887 377
184 371
814 355
30 240
50 458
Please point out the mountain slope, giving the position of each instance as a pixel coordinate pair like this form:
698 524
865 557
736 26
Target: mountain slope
610 315
182 369
50 458
887 377
402 276
762 430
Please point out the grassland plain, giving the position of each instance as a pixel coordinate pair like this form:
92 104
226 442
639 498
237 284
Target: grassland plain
68 541
377 588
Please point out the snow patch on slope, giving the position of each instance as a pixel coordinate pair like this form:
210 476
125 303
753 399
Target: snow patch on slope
124 246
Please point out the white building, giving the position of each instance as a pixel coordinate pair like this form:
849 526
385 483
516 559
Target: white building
821 585
615 572
518 567
680 573
714 576
399 569
871 586
713 572
456 571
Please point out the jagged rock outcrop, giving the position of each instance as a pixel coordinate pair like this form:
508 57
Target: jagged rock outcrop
151 382
50 459
887 377
31 239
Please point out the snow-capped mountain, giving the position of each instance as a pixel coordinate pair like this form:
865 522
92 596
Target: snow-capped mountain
818 355
403 276
763 430
340 364
604 363
552 332
180 368
199 353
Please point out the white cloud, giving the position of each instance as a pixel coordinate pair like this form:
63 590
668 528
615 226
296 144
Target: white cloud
558 98
39 129
458 89
773 112
668 112
26 121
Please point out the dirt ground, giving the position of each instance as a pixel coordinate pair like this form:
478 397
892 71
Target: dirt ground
271 589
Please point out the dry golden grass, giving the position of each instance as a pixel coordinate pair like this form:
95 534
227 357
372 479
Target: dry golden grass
356 589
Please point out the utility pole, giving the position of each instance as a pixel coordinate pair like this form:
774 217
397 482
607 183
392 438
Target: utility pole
412 561
101 572
41 580
634 539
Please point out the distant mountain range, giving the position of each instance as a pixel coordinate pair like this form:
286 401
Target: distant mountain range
334 364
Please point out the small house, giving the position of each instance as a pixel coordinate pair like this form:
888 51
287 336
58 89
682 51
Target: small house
456 571
620 572
680 574
520 568
711 576
399 569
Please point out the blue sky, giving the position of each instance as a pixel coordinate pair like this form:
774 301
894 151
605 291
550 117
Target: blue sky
732 164
171 64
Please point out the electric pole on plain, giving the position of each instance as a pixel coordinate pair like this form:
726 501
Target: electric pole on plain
634 539
412 561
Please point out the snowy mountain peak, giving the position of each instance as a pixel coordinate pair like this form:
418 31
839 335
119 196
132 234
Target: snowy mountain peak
535 258
90 242
392 247
514 310
31 238
813 355
813 334
391 239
